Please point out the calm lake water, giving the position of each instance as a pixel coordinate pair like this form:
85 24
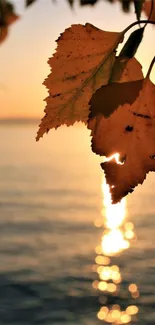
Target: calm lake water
66 255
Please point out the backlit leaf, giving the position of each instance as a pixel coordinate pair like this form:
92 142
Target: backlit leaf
107 98
81 64
147 9
7 17
132 135
127 131
125 69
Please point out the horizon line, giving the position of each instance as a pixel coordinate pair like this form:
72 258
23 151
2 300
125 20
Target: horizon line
19 120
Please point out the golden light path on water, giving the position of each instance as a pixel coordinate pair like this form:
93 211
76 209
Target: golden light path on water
117 237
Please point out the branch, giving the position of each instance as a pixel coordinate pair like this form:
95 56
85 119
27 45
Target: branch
143 21
150 67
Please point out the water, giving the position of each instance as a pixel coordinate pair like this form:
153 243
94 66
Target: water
66 255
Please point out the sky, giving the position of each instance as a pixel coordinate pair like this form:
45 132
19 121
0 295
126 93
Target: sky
31 41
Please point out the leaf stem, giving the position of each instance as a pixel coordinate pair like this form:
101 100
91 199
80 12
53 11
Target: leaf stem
143 21
150 67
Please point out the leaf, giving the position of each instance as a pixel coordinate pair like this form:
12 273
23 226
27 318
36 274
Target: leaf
29 2
134 138
128 131
7 17
71 2
87 2
125 69
2 14
81 64
127 52
126 5
131 46
147 9
138 4
107 98
104 101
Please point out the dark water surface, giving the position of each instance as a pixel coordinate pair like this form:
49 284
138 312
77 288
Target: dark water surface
66 255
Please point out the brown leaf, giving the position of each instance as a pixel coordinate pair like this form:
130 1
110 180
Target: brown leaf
9 17
103 102
147 9
81 64
71 2
129 131
126 5
29 2
126 70
3 33
107 98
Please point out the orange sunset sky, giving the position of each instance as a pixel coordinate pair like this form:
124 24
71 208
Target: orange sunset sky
31 41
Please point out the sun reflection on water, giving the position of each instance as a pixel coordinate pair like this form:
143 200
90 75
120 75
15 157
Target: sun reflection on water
117 237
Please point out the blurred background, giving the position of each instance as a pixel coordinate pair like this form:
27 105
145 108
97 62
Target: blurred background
67 256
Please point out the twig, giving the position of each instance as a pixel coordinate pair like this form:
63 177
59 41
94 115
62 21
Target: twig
150 67
143 21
